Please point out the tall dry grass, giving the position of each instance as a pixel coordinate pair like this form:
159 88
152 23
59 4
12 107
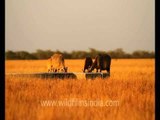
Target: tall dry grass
131 83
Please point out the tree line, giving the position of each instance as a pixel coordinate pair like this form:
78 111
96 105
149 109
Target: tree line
45 54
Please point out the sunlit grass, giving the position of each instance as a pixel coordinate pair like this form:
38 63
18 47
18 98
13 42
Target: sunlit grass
131 83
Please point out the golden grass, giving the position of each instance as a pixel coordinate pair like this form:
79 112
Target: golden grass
131 83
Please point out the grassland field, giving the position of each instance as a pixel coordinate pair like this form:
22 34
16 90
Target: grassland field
132 83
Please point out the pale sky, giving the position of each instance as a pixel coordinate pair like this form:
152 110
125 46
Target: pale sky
69 25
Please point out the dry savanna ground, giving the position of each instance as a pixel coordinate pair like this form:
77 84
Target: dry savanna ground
131 83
